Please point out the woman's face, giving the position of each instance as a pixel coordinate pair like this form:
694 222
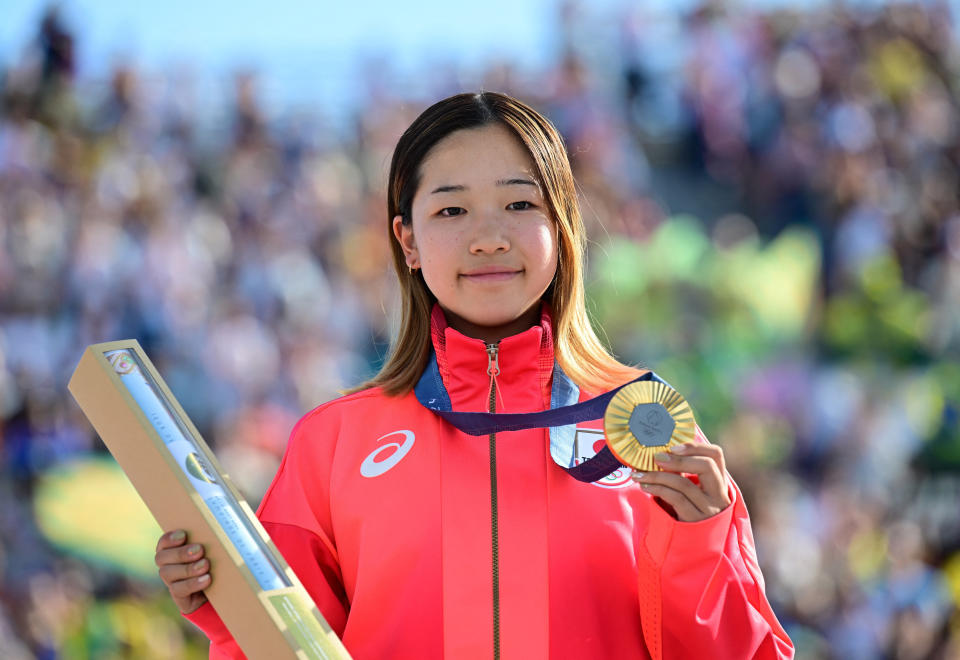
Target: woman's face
481 232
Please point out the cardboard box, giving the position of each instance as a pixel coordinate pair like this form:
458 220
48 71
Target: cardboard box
255 592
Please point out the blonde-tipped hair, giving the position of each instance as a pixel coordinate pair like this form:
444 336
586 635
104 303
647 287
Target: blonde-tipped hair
576 347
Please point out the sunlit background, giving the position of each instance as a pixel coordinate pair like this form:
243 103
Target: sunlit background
773 197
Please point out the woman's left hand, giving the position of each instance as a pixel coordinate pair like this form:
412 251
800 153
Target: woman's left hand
690 501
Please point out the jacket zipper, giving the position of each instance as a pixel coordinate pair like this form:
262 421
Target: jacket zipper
493 370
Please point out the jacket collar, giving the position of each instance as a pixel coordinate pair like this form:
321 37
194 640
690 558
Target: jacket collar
525 361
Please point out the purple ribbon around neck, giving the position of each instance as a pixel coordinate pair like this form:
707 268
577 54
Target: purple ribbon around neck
562 417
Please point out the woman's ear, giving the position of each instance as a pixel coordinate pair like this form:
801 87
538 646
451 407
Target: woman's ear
404 235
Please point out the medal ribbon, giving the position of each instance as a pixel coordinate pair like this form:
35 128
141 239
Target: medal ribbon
562 418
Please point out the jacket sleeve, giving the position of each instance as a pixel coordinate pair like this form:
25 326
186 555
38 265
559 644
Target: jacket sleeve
701 590
296 514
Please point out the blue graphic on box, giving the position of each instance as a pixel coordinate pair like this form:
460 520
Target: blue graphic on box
202 476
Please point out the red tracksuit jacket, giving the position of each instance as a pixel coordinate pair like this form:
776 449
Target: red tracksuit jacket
387 514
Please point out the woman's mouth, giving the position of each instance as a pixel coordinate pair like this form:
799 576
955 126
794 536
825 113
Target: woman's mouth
483 275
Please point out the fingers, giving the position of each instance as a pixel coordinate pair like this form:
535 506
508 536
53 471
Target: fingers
184 570
677 490
171 539
707 468
179 555
713 452
690 500
183 589
682 505
172 574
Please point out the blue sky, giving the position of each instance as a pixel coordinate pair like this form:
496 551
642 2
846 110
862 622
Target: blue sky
306 49
303 50
221 31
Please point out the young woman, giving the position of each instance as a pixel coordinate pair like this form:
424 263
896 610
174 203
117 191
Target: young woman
417 540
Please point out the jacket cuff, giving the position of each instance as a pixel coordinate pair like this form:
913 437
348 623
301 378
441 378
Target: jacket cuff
703 538
207 620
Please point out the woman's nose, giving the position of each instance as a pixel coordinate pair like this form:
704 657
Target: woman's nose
489 235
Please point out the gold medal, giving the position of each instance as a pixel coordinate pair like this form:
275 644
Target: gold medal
646 418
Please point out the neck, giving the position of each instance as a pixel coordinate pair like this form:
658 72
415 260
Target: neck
493 334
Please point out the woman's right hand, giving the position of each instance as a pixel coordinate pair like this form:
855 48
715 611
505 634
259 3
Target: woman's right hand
183 569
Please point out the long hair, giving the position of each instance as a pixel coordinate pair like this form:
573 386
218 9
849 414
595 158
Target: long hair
576 347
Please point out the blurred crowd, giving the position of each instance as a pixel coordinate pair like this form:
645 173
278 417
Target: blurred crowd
774 208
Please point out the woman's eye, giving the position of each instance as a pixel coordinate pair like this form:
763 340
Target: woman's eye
451 211
520 206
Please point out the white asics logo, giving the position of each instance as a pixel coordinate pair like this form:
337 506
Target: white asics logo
371 467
